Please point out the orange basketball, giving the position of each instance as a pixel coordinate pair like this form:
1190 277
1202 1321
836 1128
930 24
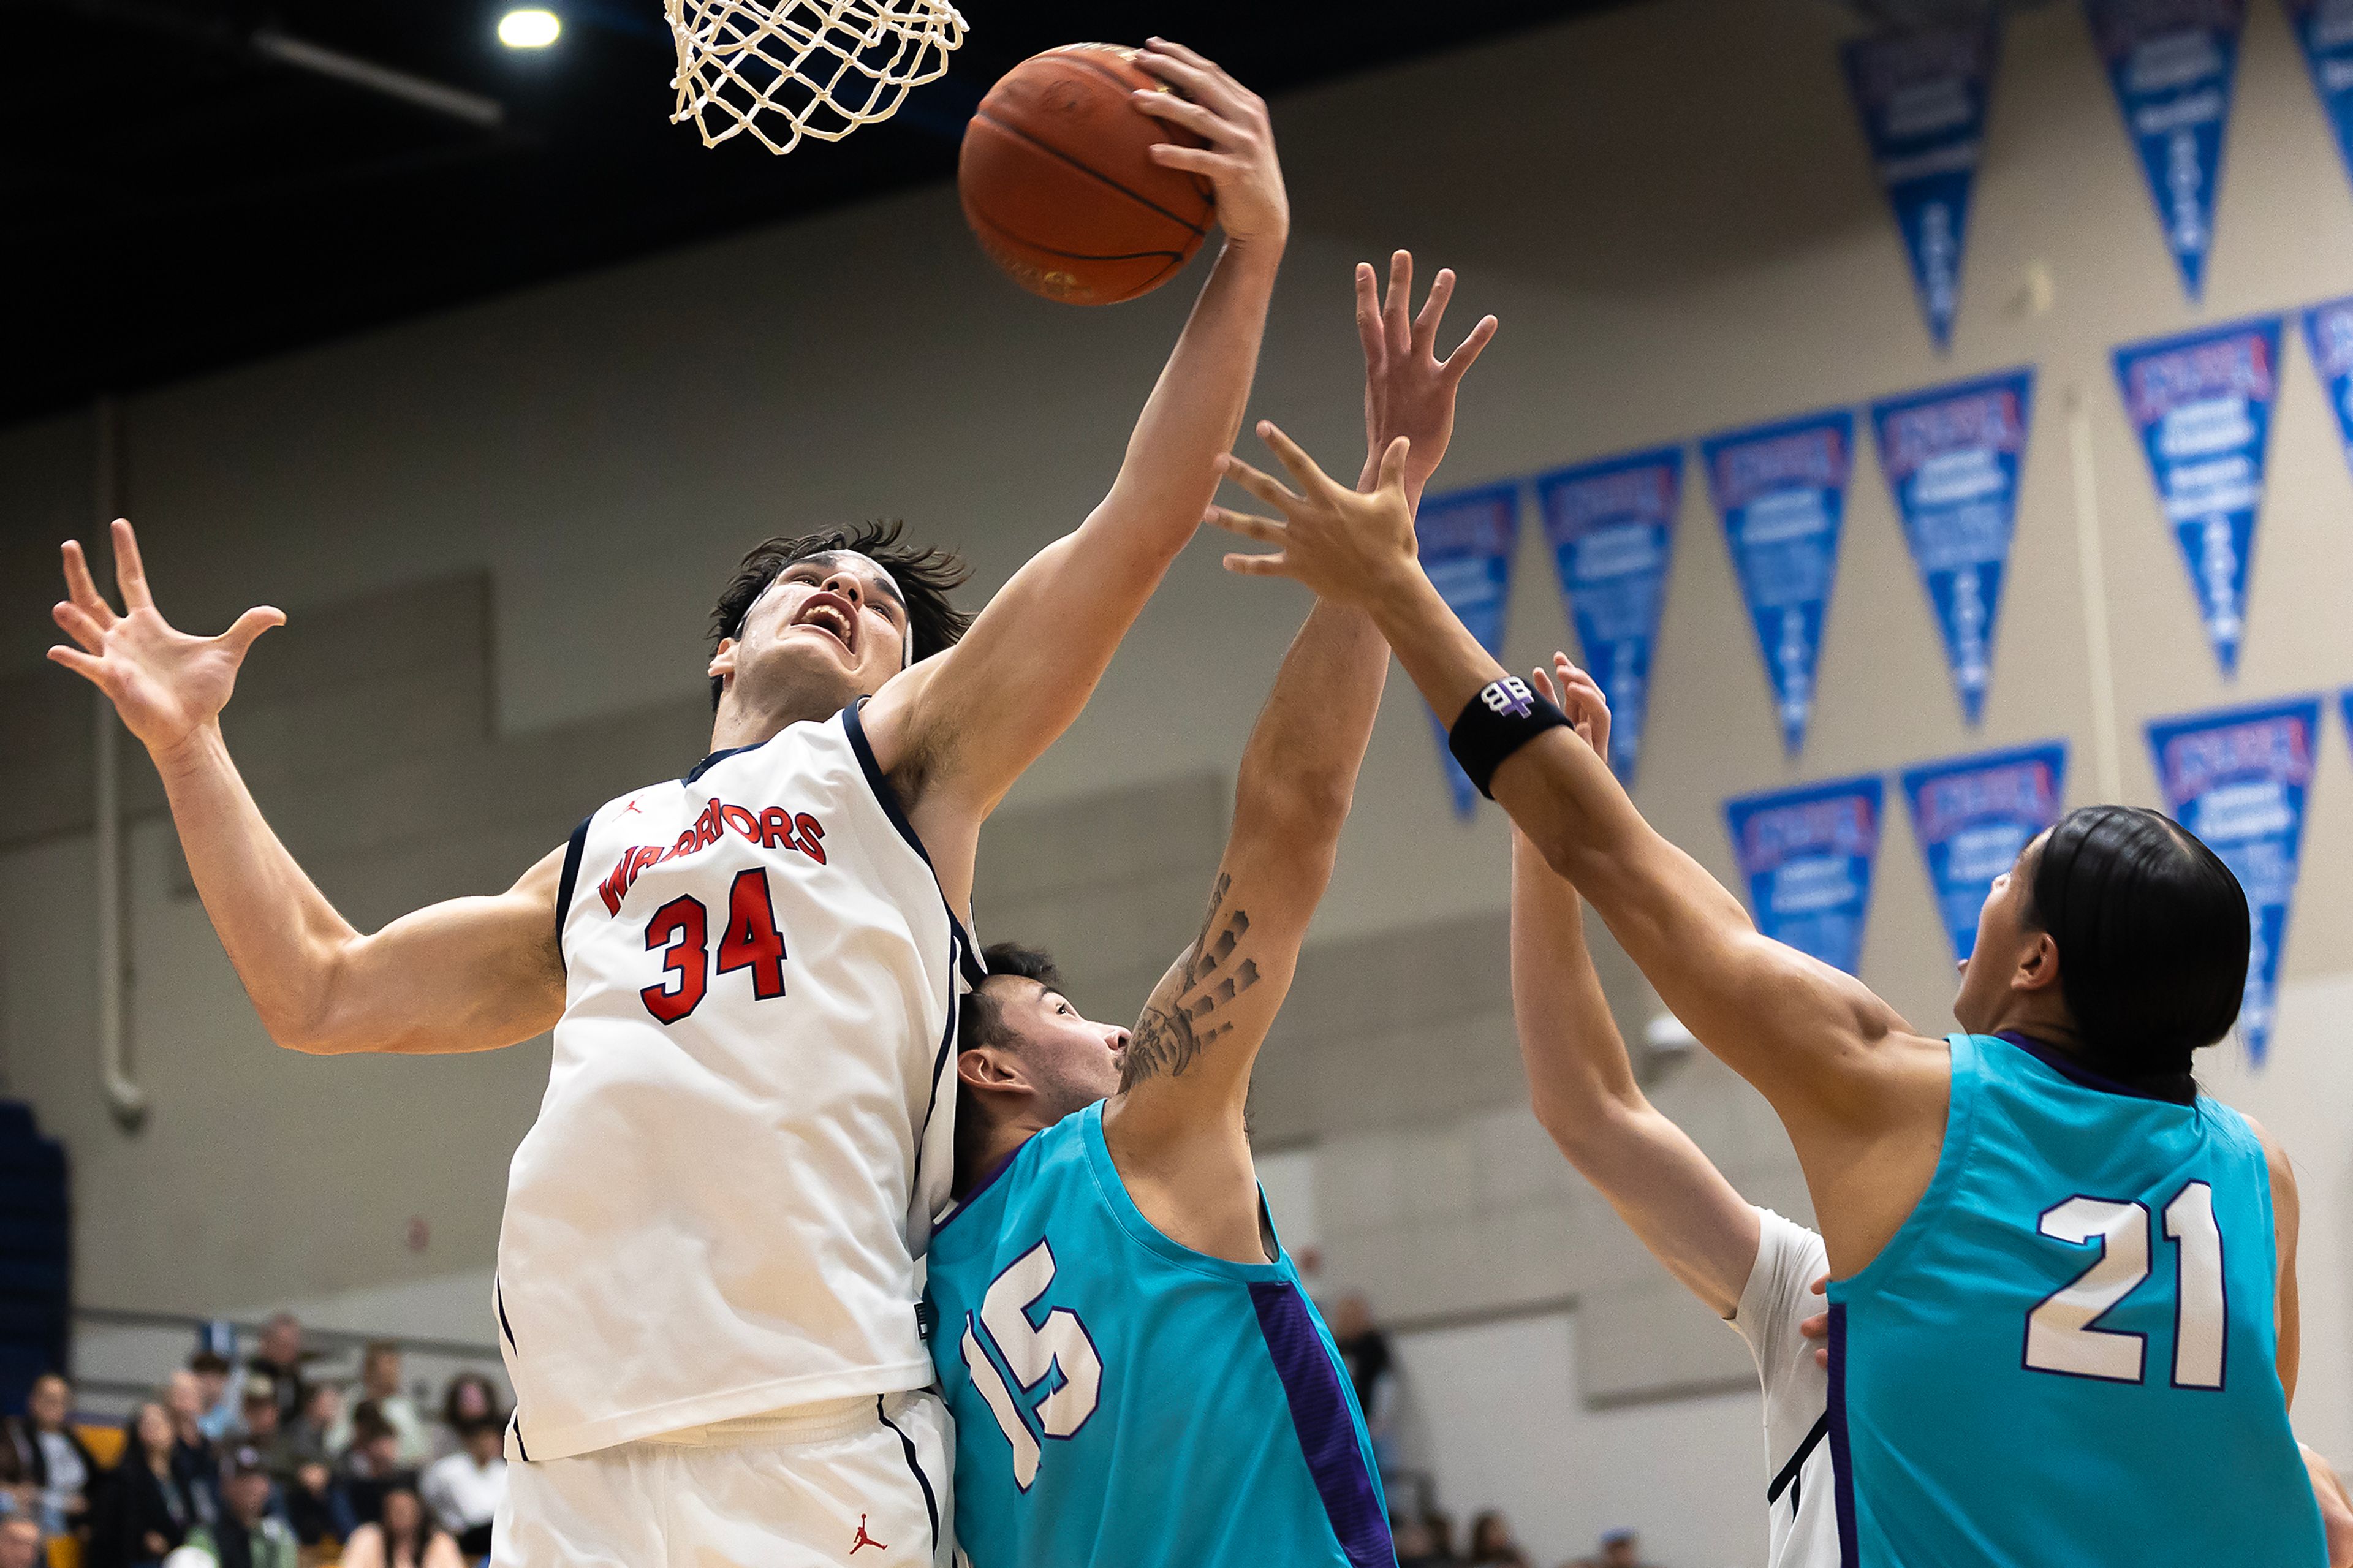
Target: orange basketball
1058 187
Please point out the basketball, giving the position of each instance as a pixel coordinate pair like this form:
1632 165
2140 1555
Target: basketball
1059 185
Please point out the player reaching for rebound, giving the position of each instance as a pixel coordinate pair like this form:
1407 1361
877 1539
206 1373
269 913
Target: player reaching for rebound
1761 1272
1138 1380
706 1289
1755 1269
2066 1328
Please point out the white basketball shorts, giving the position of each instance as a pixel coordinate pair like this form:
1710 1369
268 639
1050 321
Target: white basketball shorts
854 1483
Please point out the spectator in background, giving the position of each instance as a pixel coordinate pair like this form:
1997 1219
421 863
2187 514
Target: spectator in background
371 1463
48 1457
310 1438
1365 1352
20 1541
218 1412
143 1510
1492 1545
405 1538
463 1489
1620 1549
196 1462
469 1397
316 1508
280 1356
1417 1547
1440 1525
263 1427
248 1535
380 1386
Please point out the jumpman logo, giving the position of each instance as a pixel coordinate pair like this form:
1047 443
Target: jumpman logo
630 808
865 1540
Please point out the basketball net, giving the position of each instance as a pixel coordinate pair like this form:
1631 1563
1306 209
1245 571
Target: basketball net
789 69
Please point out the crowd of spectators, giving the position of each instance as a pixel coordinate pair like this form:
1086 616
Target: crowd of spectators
266 1465
1425 1539
1424 1533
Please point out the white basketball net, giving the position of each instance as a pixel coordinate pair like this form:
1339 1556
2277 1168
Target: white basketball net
790 68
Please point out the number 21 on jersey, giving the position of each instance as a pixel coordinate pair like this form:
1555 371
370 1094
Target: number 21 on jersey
2061 1335
1058 1345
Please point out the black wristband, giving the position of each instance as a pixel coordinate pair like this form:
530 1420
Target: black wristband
1502 718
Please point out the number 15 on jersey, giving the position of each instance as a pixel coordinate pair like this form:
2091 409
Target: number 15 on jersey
1038 1354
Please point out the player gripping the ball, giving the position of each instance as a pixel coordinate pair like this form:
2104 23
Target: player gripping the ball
707 1290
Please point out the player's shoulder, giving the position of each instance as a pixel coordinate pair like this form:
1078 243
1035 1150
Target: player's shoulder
1020 1188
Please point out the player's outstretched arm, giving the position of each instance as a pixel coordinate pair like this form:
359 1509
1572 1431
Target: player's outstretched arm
957 731
1857 1090
1176 1126
1670 1194
466 976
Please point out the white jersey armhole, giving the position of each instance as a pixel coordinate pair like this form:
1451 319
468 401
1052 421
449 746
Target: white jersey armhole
1779 1297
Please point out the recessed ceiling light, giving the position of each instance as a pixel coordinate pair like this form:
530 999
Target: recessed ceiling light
531 29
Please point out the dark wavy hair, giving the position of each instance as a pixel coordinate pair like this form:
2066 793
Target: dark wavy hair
926 576
2153 932
978 1021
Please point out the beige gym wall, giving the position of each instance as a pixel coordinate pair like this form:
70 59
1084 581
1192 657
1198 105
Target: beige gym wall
1670 208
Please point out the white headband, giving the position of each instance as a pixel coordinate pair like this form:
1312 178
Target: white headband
907 642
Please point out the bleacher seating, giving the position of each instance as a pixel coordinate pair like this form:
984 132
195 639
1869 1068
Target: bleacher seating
34 1279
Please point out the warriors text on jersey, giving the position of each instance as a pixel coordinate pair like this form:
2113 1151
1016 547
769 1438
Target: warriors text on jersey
748 1122
1126 1402
2067 1352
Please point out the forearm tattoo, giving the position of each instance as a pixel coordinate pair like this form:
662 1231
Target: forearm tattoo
1208 977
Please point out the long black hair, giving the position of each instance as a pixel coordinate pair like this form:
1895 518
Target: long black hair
2153 932
924 574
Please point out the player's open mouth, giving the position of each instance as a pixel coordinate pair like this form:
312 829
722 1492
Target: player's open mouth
829 614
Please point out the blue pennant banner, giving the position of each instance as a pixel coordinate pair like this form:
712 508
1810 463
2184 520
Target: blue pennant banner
1781 491
1952 457
2171 62
1972 815
1808 855
2204 406
1612 526
2237 779
1466 544
1922 100
2325 28
2329 330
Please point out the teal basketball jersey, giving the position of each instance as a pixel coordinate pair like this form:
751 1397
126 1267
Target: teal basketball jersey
1126 1402
2066 1354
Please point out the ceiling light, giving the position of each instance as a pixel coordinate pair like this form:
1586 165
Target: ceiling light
531 29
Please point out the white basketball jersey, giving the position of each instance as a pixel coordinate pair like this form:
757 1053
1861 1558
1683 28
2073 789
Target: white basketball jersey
1801 1498
750 1119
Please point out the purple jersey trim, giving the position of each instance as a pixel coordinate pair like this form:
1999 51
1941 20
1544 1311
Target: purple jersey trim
2075 1072
1326 1426
1842 1452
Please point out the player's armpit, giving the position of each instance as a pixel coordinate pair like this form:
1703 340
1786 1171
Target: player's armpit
469 974
1175 1128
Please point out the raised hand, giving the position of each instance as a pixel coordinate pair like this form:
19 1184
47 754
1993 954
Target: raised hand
1408 390
1577 694
166 684
1240 158
1350 546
